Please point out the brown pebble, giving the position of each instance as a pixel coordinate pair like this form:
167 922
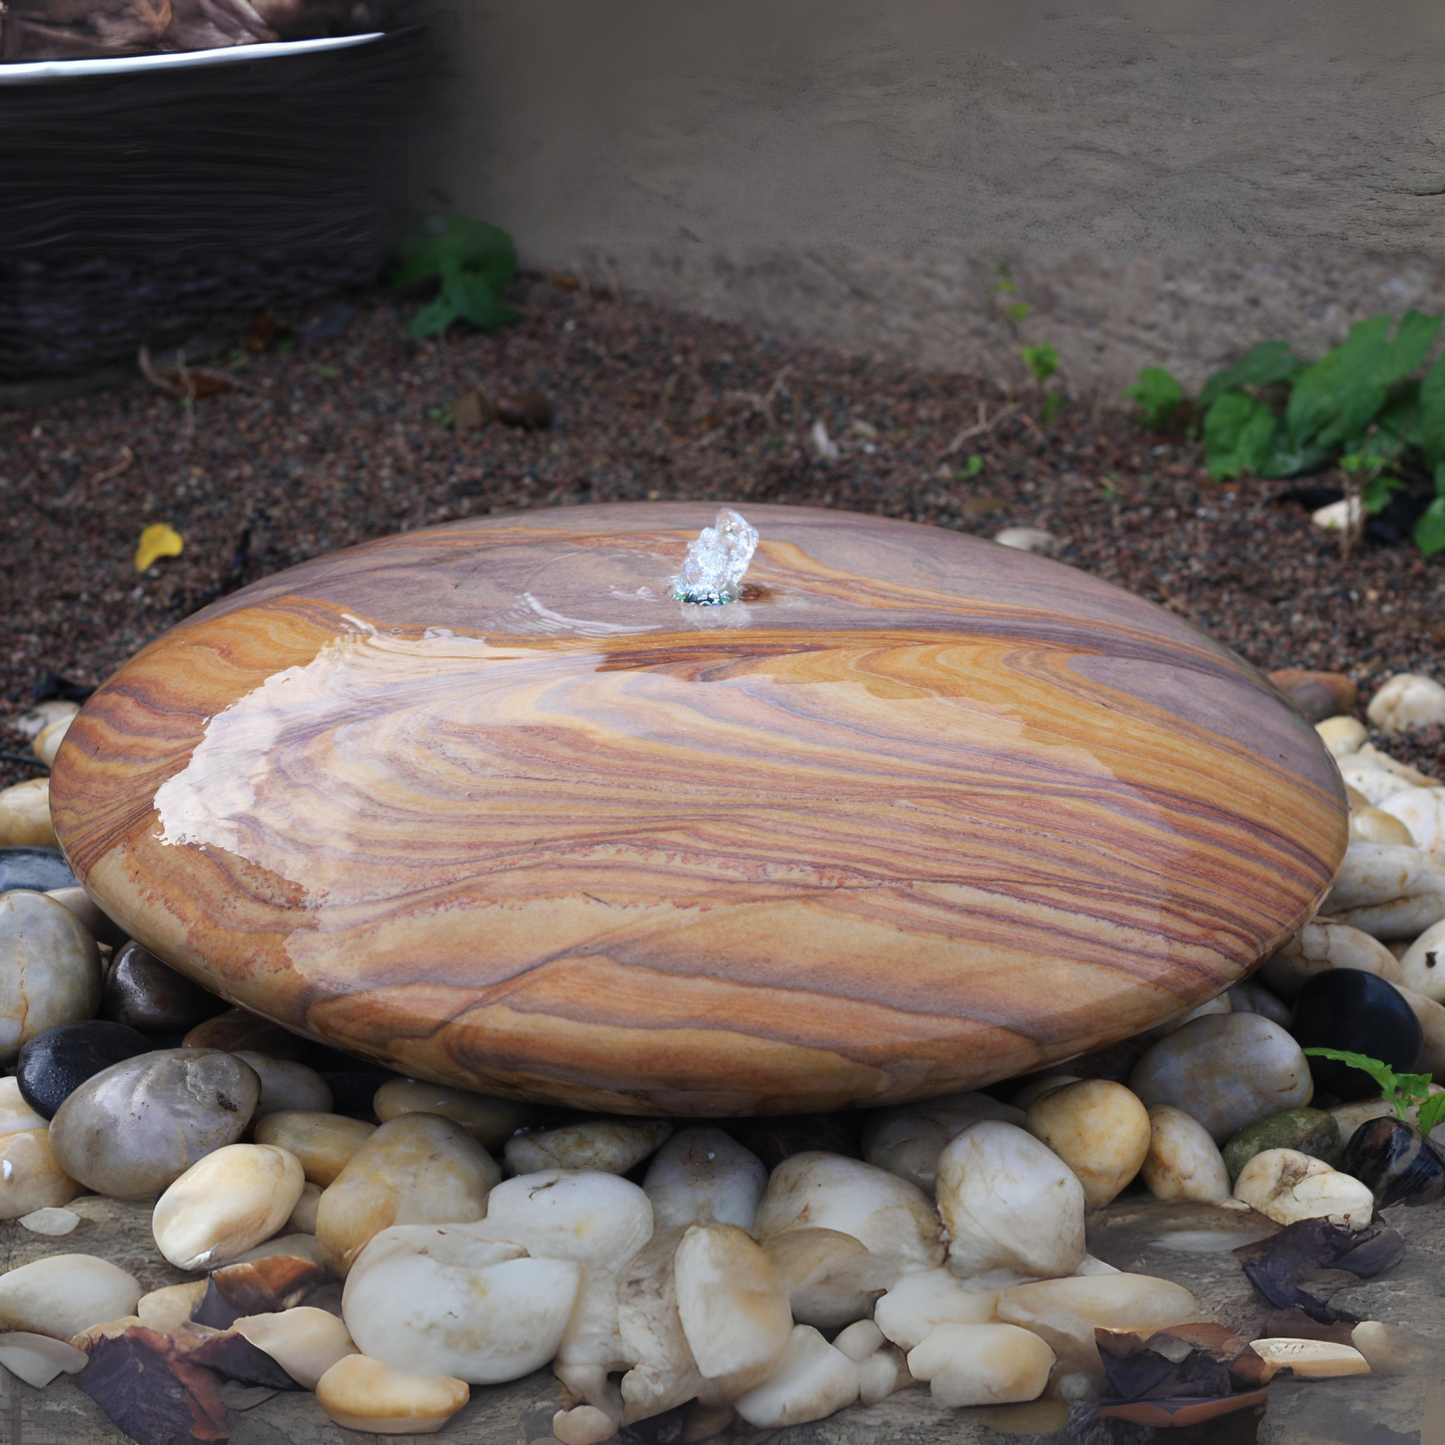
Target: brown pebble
471 410
238 1030
529 410
149 995
1317 695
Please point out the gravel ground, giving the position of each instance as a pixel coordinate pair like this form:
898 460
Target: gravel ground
327 439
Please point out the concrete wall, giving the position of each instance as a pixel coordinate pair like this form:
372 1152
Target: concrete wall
1168 181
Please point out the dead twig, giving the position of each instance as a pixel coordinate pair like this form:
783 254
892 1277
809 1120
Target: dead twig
980 428
762 402
148 370
118 469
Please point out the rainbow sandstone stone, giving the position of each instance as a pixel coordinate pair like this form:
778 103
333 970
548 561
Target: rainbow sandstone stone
485 804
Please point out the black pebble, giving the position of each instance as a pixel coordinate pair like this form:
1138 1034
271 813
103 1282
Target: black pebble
1346 1008
1396 1161
147 994
53 1065
40 869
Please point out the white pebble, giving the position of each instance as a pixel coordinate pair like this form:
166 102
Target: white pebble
1026 539
49 738
304 1341
50 1221
583 1425
1322 945
1407 700
489 1120
49 969
38 1359
993 1364
703 1174
25 815
63 1294
164 1310
859 1340
907 1140
812 1380
1422 812
888 1216
415 1169
1183 1161
1422 965
1342 735
1287 1186
226 1203
428 1297
1117 1301
15 1113
1311 1359
931 1297
734 1309
1388 890
883 1372
1010 1205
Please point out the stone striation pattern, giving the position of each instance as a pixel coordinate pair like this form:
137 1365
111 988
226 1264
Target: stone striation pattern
485 804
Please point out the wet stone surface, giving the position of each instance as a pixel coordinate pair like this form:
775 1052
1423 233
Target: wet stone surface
149 995
39 868
53 1065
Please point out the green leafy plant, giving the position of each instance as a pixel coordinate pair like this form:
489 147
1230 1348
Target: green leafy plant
1157 395
1042 361
1364 406
473 261
971 468
1403 1091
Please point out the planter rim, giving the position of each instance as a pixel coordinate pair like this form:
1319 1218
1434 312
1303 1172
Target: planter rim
20 71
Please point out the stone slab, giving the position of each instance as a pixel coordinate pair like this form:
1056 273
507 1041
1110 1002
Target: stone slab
484 804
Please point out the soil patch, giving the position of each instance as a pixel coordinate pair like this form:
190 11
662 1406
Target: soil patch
346 432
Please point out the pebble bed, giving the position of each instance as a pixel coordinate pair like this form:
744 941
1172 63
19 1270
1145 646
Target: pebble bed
391 1244
344 435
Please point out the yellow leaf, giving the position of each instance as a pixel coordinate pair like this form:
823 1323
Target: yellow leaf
157 541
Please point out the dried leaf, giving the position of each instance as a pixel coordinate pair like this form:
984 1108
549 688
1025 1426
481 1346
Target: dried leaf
1279 1266
158 540
1147 1375
149 1395
260 1287
1185 1412
1297 1325
229 1354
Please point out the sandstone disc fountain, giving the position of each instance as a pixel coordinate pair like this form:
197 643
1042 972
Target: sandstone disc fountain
894 813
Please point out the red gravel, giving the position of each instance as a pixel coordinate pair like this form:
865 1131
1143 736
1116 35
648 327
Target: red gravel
338 440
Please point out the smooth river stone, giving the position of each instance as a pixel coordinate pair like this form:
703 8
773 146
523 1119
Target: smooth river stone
53 1065
150 995
33 867
134 1128
237 1030
49 969
474 802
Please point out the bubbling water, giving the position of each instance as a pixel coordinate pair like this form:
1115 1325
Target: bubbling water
712 571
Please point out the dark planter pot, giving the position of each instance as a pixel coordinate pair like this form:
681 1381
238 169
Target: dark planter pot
143 197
